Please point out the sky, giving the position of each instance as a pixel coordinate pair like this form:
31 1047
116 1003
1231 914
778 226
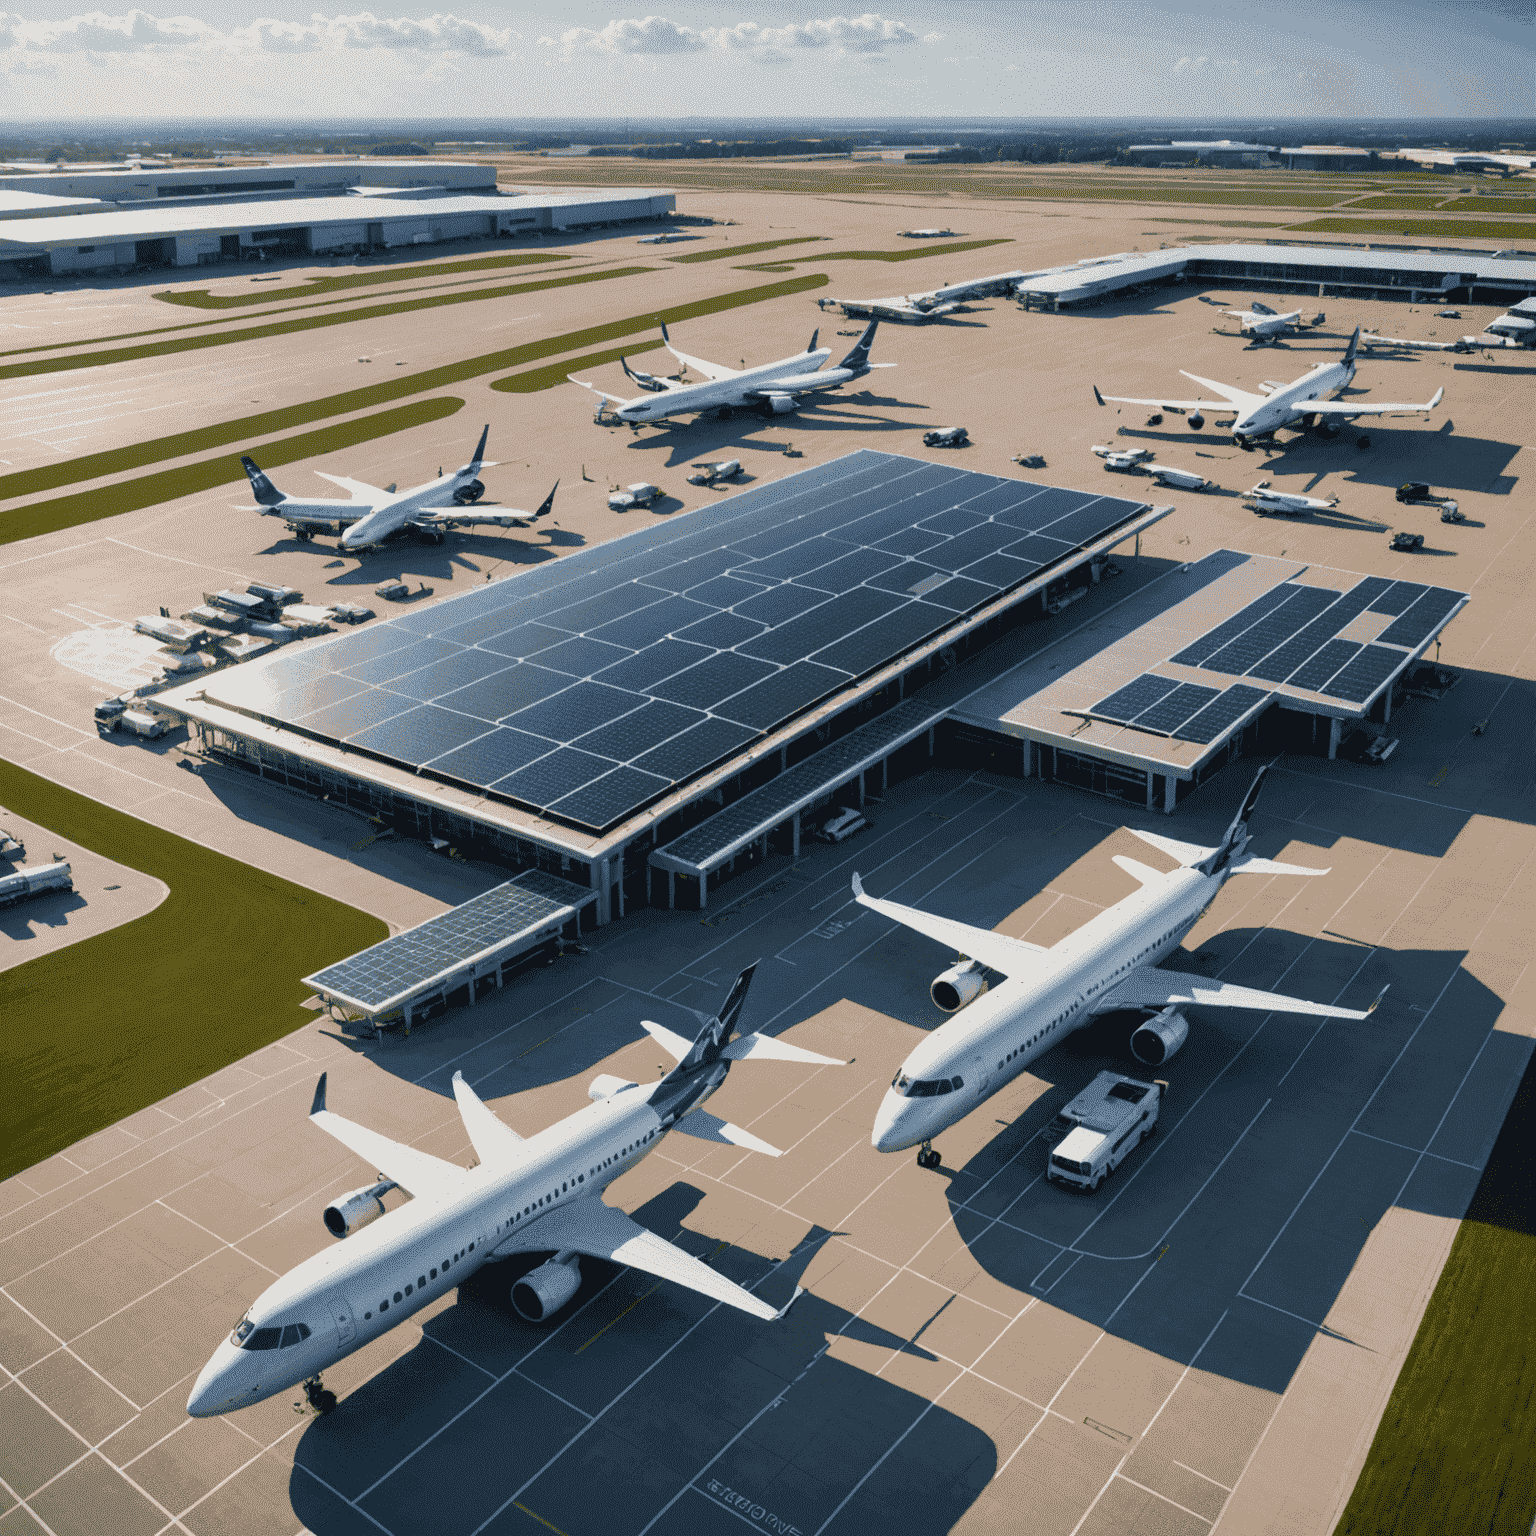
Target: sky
1181 59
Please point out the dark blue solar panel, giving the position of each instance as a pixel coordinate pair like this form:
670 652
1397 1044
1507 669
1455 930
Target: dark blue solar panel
1169 713
1399 596
492 756
1212 640
1218 717
1248 650
1419 622
1365 674
1285 659
586 647
1322 666
1128 702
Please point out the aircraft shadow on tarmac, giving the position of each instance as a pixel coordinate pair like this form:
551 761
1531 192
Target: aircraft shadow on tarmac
831 1423
709 436
47 911
1251 1206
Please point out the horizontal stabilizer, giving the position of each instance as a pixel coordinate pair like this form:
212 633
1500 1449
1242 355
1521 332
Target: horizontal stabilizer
669 1040
764 1048
1142 872
707 1127
1185 853
1273 867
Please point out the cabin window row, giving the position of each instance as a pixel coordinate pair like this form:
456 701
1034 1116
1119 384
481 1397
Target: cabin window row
420 1283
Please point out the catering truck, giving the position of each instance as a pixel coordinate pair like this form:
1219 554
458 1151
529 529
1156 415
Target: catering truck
1101 1127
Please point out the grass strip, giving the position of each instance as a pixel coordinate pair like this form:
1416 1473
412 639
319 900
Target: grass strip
305 323
1453 1450
187 479
1492 205
201 298
93 466
744 250
110 1025
531 380
1460 229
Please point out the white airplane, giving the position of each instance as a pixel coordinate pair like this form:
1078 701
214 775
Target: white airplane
1107 451
369 515
1109 963
1305 401
1263 324
542 1195
1184 479
934 304
772 388
1262 499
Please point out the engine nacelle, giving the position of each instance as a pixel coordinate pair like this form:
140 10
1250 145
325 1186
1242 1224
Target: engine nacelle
1160 1037
606 1085
781 405
543 1291
356 1209
959 985
1196 421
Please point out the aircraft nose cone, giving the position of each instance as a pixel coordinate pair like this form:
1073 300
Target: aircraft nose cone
212 1391
887 1134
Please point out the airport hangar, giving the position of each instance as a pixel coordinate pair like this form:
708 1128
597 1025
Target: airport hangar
1326 271
638 716
182 234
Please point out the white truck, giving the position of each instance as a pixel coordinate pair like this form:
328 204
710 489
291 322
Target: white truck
1101 1127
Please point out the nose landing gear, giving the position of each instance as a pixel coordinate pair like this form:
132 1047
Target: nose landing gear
318 1398
927 1157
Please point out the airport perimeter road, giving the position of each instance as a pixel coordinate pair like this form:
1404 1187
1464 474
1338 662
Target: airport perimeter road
1200 1347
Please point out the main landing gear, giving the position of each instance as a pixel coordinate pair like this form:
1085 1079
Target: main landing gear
319 1399
927 1157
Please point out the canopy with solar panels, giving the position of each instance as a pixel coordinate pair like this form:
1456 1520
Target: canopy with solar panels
590 687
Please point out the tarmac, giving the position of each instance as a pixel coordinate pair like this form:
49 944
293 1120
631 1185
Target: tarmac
1205 1345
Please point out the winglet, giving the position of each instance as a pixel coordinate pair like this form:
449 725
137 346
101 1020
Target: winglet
318 1107
858 885
664 335
1439 394
1097 396
549 502
799 1292
1379 996
1352 348
814 335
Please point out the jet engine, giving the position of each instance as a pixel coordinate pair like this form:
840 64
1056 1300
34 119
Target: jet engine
606 1085
356 1209
466 495
959 985
780 405
1158 1038
1196 421
543 1291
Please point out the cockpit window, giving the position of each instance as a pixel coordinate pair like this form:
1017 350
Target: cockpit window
263 1338
294 1333
918 1088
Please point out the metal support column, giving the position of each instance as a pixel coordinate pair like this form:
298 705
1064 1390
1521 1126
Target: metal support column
599 882
1170 795
671 890
1334 733
797 834
703 889
1386 706
861 788
1151 789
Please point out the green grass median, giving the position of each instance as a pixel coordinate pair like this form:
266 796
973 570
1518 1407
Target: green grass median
188 479
725 251
1418 229
101 1029
1453 1451
93 466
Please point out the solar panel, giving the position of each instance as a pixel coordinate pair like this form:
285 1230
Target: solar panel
1167 715
383 975
1315 674
1365 674
1420 621
1222 713
1128 702
666 651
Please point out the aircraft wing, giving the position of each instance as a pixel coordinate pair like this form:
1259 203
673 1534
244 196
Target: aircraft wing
995 950
590 1227
1343 410
494 1142
356 489
1153 987
709 370
601 393
1163 403
1239 399
419 1173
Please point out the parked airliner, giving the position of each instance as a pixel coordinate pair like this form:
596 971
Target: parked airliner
1263 324
539 1195
1307 400
772 388
369 515
1110 963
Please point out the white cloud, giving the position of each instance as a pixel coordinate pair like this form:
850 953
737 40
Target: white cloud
1189 66
648 35
139 32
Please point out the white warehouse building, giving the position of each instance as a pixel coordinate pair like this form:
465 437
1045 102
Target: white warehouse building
182 235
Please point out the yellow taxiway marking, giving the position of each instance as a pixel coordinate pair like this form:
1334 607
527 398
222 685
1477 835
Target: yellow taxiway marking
547 1524
1440 777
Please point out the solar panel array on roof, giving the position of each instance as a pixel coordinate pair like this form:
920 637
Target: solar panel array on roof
1288 637
377 977
589 687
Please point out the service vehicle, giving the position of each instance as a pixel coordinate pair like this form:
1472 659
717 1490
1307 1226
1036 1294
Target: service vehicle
641 494
109 715
947 437
1450 512
842 826
351 613
1414 490
35 880
1029 460
1407 541
140 722
392 591
1101 1127
713 474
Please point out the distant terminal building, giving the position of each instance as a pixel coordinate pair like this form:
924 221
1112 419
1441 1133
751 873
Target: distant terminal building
1201 152
640 715
183 234
1448 161
1322 271
1328 157
34 205
150 183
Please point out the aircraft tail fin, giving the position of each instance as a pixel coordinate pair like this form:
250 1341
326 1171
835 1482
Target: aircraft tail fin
548 504
811 347
1352 350
858 358
712 1039
1097 396
474 464
266 493
1236 838
1261 309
